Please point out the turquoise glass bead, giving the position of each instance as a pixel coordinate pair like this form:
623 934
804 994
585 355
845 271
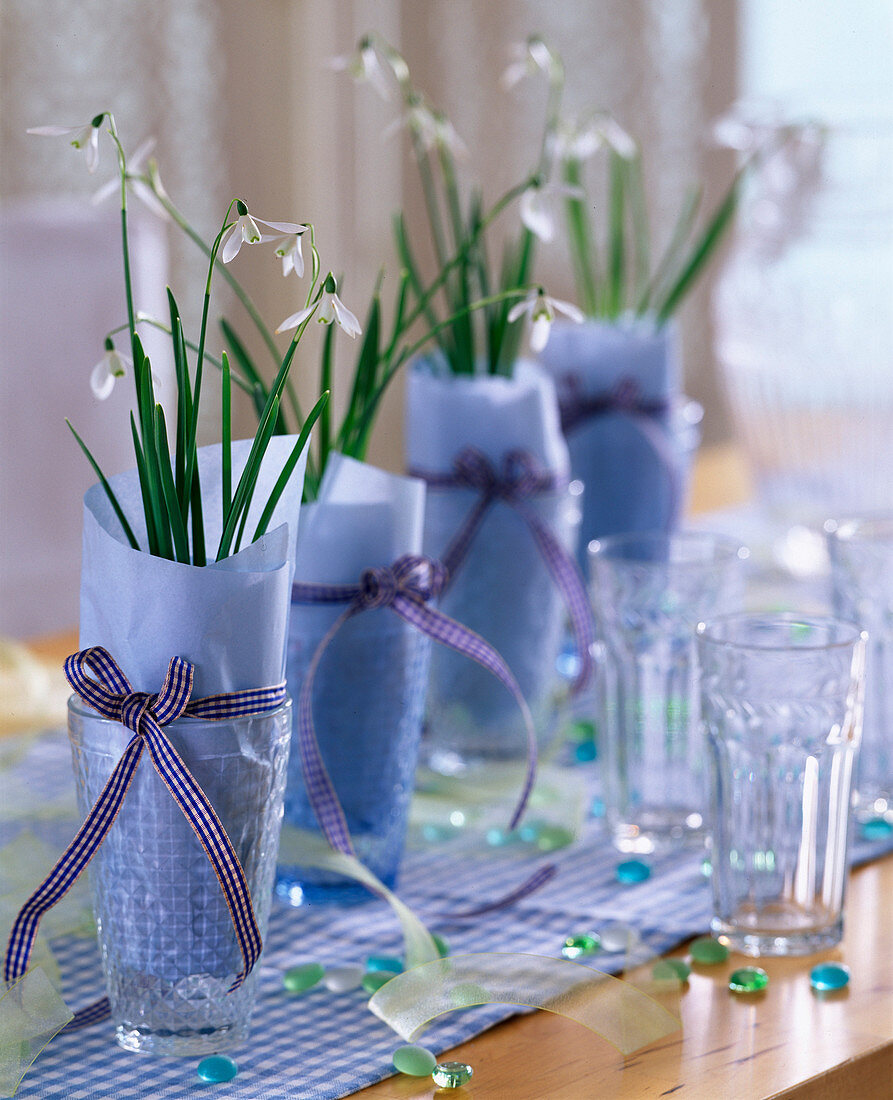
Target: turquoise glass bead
384 962
452 1075
876 829
301 978
216 1069
827 977
585 752
415 1061
632 870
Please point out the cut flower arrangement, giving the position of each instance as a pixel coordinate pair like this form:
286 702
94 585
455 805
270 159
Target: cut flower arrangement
187 569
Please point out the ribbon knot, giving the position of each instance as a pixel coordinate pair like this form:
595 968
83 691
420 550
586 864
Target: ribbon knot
98 680
519 477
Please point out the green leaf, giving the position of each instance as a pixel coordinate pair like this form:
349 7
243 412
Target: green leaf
638 209
289 466
616 235
245 488
143 479
226 438
679 235
701 252
325 386
109 492
581 240
177 526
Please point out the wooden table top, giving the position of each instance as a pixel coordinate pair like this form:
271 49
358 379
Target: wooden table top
786 1042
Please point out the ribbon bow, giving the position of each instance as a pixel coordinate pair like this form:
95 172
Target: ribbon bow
625 397
405 588
97 679
520 478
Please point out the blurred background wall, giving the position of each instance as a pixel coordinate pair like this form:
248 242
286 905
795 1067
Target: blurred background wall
242 101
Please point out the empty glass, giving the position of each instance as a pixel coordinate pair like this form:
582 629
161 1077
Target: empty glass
782 706
649 592
861 553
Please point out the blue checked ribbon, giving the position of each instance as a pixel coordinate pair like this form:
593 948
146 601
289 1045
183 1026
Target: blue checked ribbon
576 408
520 478
97 679
405 587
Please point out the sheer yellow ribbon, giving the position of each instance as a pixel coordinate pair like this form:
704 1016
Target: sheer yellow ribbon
616 1010
31 1013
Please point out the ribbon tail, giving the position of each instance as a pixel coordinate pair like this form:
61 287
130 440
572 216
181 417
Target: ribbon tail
529 886
72 861
207 827
460 638
566 575
320 789
661 442
457 550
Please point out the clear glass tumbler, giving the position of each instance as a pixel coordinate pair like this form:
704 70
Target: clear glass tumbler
782 706
649 591
368 701
861 553
167 942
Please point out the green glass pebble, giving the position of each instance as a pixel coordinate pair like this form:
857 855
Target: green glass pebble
878 828
373 980
671 970
341 979
415 1061
301 978
530 831
452 1075
469 993
708 951
749 979
385 962
553 837
443 948
575 946
581 731
632 870
829 976
216 1069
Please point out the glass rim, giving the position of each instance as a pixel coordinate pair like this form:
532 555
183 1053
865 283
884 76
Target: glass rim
727 547
704 632
860 527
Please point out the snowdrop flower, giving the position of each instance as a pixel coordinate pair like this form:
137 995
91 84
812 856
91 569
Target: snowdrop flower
85 138
106 372
328 308
288 246
537 207
542 309
365 66
246 230
578 140
137 165
530 57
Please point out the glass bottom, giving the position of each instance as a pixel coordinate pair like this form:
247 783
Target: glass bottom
779 929
660 830
296 891
181 1043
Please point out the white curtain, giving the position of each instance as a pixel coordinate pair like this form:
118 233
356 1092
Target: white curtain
243 103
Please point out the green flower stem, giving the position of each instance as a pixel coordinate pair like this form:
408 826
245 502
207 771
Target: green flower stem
581 241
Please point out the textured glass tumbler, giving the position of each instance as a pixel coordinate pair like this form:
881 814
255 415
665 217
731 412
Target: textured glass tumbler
167 942
649 592
368 699
861 553
782 705
504 591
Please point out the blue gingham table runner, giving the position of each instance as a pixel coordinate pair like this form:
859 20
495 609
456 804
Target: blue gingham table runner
321 1045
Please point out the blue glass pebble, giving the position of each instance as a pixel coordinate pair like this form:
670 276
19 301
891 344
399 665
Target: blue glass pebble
496 838
632 870
530 830
385 962
584 752
217 1068
829 976
597 809
706 867
878 828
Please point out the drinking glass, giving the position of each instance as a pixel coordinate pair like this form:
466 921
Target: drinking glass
782 706
649 592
